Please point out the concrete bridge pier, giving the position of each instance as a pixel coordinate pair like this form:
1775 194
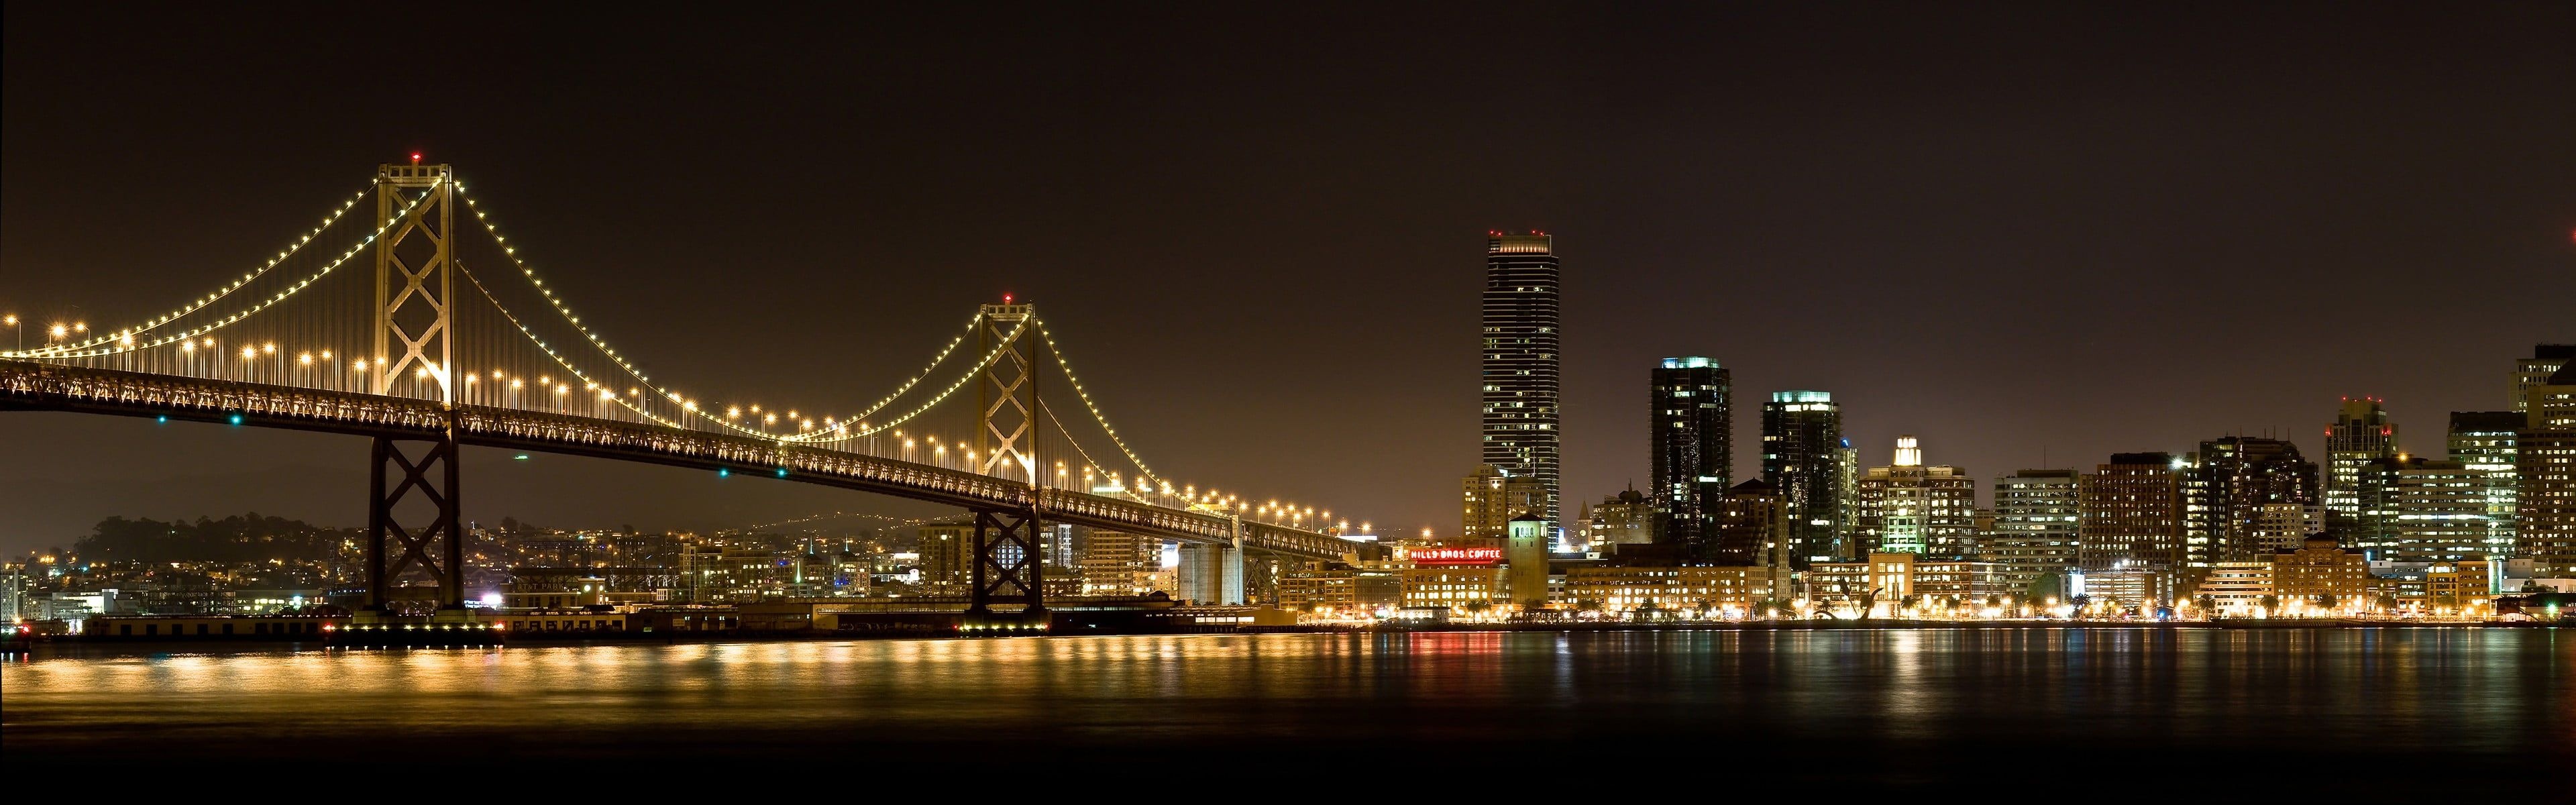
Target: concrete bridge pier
1212 572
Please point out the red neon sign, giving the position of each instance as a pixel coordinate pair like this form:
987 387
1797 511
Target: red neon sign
1454 556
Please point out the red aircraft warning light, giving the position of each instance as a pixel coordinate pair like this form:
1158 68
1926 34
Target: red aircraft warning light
415 157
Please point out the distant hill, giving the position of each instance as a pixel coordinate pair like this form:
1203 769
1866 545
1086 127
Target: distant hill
239 538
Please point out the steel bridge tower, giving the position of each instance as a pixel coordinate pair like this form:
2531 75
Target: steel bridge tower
417 516
1009 569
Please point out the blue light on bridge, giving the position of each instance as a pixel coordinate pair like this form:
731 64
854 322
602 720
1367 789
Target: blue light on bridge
163 419
236 419
723 473
782 472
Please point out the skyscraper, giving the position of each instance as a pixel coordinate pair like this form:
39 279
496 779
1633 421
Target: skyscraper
2361 434
1691 421
2437 511
2132 510
2235 486
2487 441
1802 441
2545 360
1520 360
2034 529
1751 528
1907 507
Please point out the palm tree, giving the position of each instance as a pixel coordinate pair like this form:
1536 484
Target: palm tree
1478 607
2208 606
2271 604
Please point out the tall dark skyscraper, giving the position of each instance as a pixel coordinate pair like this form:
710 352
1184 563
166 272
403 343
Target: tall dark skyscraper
2245 499
1691 421
2361 434
1520 373
1803 456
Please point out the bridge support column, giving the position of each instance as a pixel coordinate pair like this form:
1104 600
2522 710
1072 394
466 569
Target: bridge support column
1212 573
1008 569
412 522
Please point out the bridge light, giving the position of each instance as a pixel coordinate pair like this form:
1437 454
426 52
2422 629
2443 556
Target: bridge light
782 472
236 419
723 473
415 157
163 419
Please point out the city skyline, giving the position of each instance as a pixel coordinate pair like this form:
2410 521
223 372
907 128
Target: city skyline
1843 281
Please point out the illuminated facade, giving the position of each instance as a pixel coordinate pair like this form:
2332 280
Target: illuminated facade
1619 589
1907 507
1751 528
1627 518
2132 510
1520 361
2361 434
1803 455
2034 527
1489 498
2235 589
1119 563
2322 571
2545 497
2487 441
2233 490
1690 417
2545 361
2437 511
1453 586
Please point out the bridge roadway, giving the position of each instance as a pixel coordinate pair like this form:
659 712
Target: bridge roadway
29 386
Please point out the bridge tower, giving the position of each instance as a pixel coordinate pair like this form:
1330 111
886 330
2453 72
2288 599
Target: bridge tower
1008 567
416 517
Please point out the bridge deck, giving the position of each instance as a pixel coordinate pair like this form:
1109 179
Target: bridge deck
44 387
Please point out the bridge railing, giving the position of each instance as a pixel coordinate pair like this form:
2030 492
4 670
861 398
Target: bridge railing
141 392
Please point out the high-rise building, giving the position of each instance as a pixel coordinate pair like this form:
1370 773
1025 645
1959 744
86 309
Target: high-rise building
1491 497
2486 441
2545 360
1520 360
1907 507
2229 486
2132 516
1802 456
1691 421
2545 460
947 557
2361 434
1847 541
2436 510
2034 529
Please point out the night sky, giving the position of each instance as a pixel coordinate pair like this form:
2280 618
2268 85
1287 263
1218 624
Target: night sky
2032 236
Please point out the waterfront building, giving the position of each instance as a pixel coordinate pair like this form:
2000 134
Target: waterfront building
2324 573
2131 512
2234 488
1118 563
2127 589
1520 373
2361 434
1803 454
2545 361
1907 507
1460 588
2034 532
2282 526
1491 496
2235 589
1620 588
2486 441
1627 518
1690 438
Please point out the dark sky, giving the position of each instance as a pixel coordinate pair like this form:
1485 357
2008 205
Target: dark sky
2059 230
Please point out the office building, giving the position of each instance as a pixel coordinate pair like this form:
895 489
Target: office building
1690 422
947 558
1907 507
1118 563
2436 511
2233 490
2131 511
2034 525
1490 497
1752 528
2545 360
2486 441
1803 454
1520 361
2545 463
2324 574
2361 434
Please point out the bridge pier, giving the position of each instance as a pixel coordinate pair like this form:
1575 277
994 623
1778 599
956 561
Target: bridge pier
1212 572
423 473
1008 569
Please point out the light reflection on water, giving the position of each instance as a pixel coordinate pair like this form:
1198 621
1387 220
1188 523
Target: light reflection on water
1907 702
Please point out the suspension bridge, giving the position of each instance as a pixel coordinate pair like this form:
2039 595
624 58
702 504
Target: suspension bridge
455 340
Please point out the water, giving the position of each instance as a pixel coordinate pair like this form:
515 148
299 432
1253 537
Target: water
2165 715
